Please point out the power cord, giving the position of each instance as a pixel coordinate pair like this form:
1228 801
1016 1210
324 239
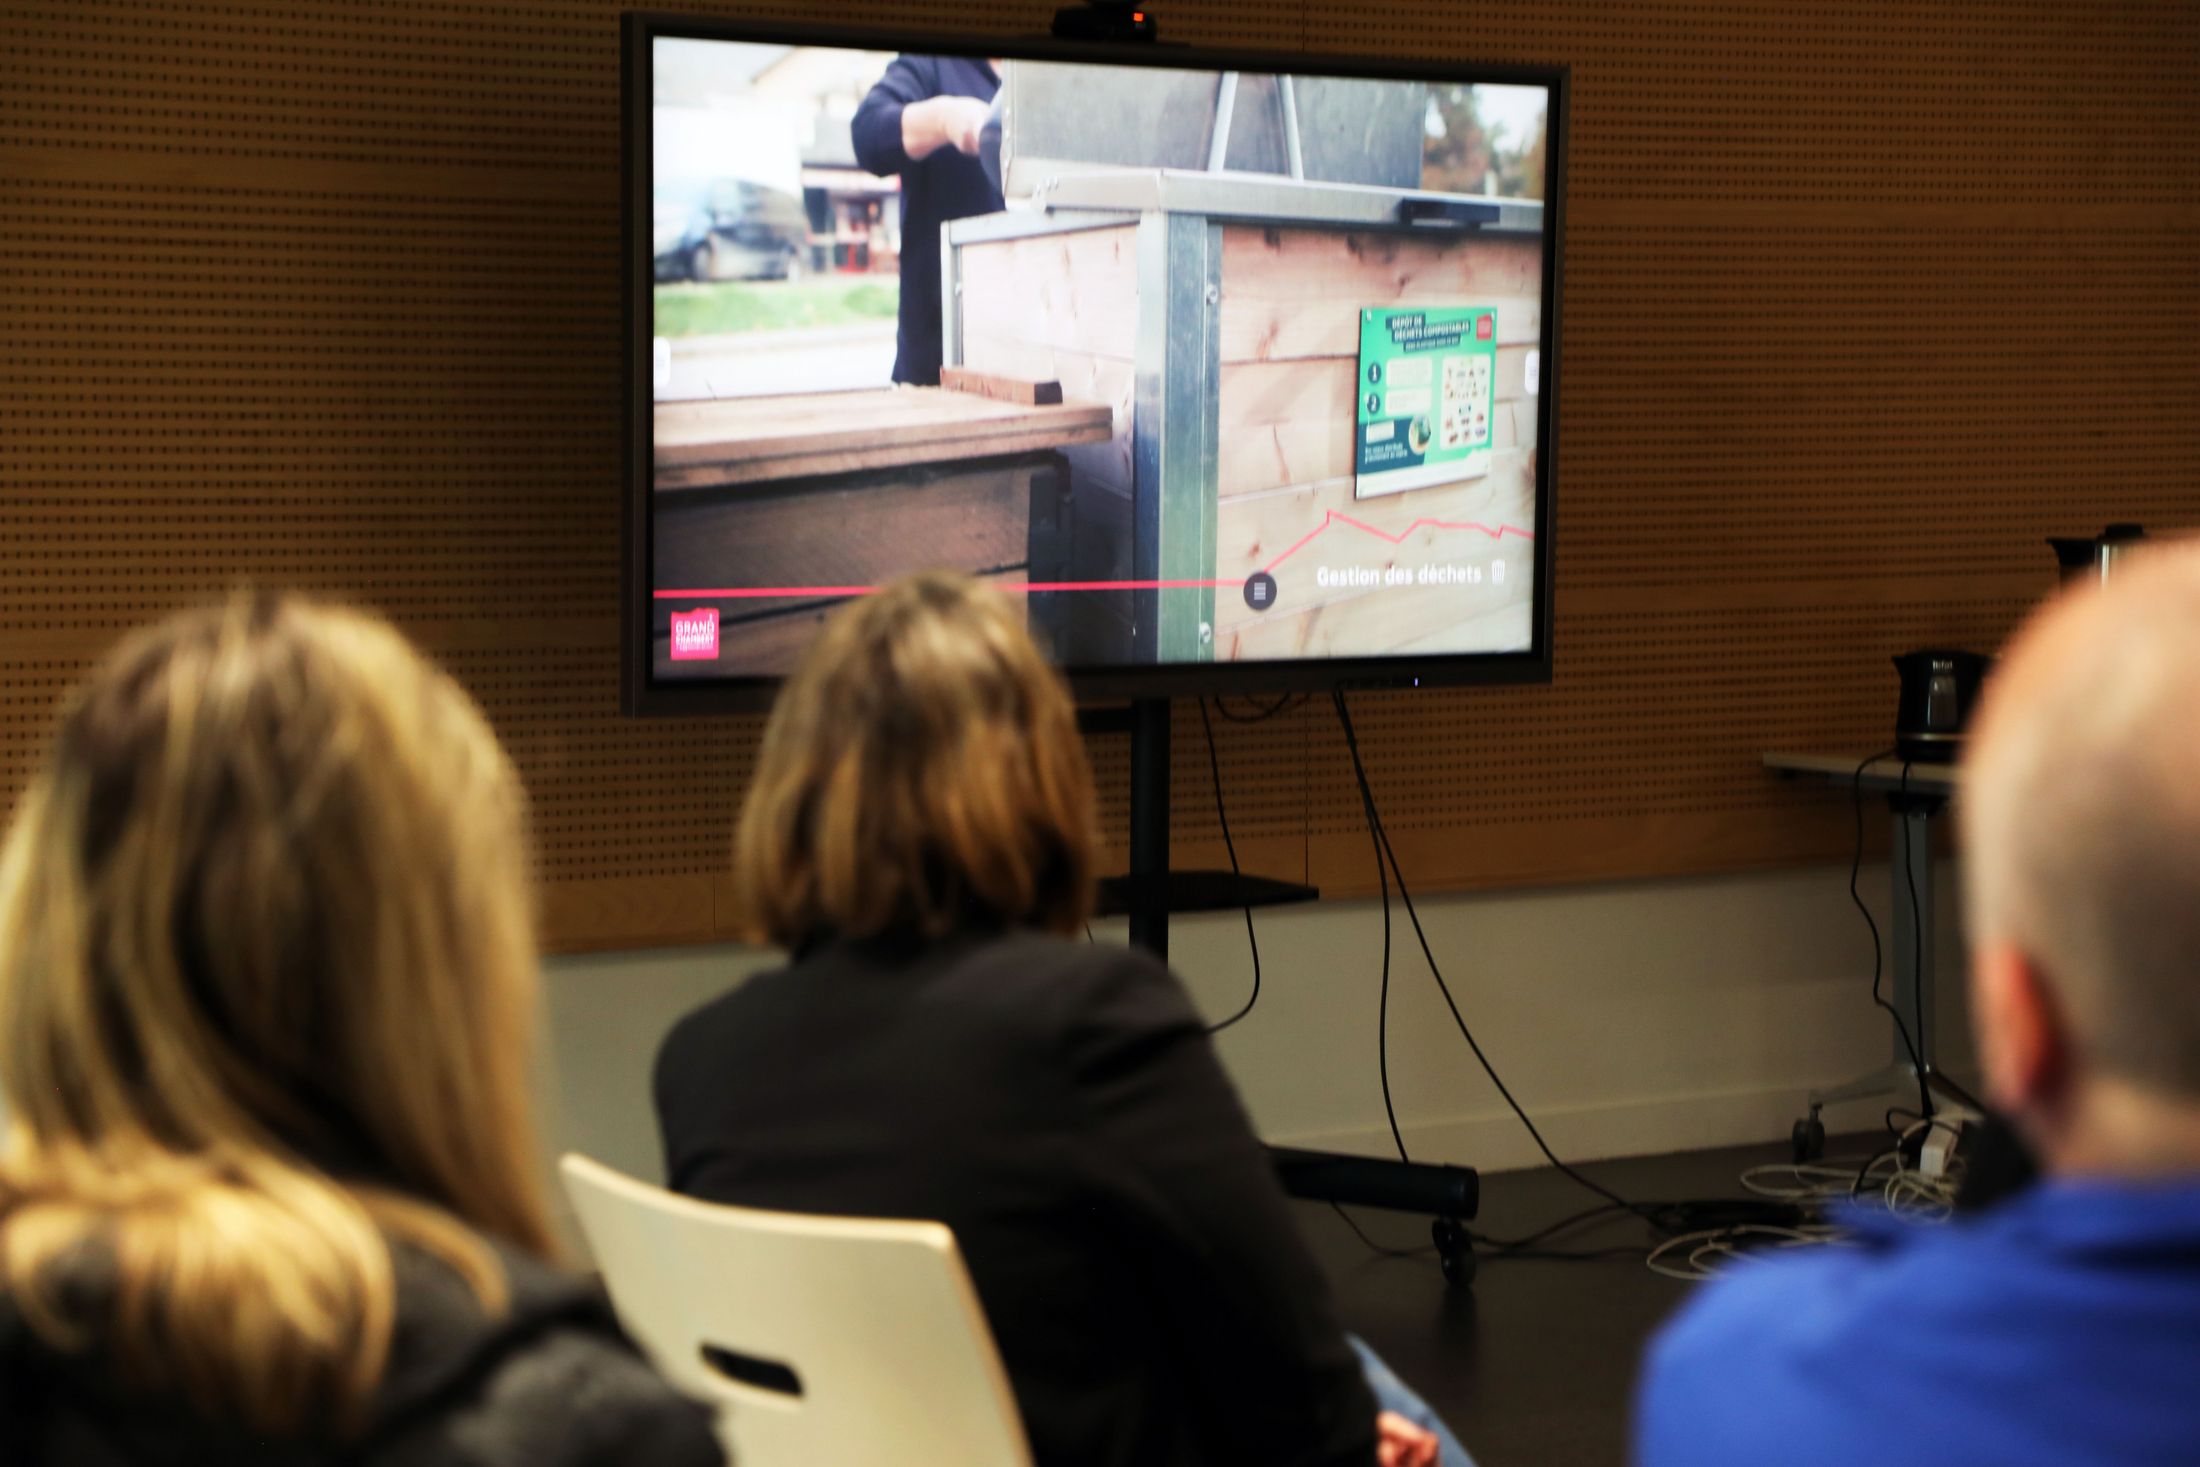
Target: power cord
1515 1248
1383 1249
1382 877
1856 866
1222 815
1385 853
1704 1217
1917 962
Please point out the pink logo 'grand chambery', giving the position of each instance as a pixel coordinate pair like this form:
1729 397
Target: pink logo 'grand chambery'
695 634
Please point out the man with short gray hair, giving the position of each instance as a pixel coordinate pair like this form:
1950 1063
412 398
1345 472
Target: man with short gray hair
2061 1326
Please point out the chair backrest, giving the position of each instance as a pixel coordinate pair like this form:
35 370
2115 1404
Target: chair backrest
820 1339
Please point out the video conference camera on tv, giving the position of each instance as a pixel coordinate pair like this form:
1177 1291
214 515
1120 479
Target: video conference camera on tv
1106 20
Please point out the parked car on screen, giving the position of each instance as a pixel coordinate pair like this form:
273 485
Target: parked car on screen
728 229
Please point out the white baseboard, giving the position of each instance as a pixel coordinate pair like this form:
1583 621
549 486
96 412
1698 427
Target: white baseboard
1495 1141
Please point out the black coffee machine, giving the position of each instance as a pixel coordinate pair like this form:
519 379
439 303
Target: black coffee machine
1940 690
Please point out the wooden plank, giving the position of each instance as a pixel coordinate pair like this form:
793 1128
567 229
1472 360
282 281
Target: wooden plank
858 460
1005 389
1298 292
1284 423
1084 378
761 439
850 531
1077 290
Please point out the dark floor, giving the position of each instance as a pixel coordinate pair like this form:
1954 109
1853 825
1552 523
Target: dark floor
1536 1365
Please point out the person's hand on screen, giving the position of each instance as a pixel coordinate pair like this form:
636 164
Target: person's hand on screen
962 120
943 122
1399 1443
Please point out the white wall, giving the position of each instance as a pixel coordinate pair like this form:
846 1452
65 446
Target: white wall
1628 1018
1631 1018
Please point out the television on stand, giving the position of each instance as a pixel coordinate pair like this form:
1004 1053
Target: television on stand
1237 372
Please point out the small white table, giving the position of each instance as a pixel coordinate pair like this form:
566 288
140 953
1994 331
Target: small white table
1917 794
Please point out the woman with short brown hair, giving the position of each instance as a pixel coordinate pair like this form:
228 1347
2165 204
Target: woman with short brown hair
267 974
920 833
921 772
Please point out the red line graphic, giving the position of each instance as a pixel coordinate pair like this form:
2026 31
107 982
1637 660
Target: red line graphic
1333 518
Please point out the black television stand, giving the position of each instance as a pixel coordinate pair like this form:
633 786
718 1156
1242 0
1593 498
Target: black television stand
1451 1195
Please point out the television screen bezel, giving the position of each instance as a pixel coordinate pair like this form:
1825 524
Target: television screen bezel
643 694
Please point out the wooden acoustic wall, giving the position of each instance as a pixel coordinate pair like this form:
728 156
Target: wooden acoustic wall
1863 298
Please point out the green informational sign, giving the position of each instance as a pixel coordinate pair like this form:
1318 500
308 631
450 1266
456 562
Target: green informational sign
1428 395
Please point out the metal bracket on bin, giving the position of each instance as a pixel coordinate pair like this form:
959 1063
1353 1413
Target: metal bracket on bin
1177 359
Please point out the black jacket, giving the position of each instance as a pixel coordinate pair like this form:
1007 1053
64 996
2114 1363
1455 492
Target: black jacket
941 186
550 1384
1059 1106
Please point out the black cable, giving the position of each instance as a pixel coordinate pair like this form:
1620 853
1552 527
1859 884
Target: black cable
1917 957
1510 1248
1383 852
1088 934
1382 1009
1930 1123
1214 767
1666 1217
1856 866
1384 1249
1856 862
1564 1224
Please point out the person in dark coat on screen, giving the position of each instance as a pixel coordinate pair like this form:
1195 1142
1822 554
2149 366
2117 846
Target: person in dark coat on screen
921 833
924 120
267 971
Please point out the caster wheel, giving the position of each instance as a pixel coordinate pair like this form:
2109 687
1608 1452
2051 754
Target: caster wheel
1808 1139
1455 1251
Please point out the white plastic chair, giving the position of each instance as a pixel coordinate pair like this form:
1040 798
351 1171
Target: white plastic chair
819 1339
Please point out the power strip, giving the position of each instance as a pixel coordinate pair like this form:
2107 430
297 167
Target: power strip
1941 1140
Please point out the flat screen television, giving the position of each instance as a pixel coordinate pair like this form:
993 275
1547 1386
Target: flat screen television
1238 372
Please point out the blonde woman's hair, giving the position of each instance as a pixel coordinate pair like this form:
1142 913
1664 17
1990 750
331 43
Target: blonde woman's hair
267 976
921 770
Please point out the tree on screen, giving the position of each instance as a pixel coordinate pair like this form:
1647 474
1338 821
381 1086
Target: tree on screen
1463 155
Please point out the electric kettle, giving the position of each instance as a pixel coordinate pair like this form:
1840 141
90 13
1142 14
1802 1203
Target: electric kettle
2095 559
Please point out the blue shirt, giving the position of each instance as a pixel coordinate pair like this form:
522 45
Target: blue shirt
2060 1328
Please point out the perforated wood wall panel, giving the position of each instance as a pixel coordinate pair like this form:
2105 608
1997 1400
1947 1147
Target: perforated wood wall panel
1861 301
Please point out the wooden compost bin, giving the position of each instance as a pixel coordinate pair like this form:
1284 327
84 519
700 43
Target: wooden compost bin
810 496
1218 316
